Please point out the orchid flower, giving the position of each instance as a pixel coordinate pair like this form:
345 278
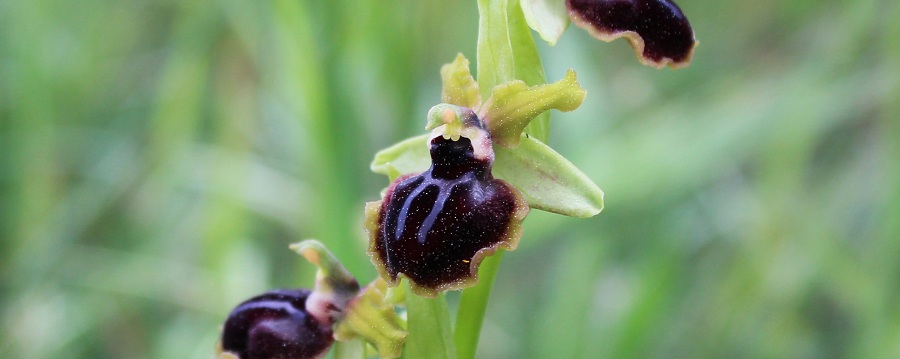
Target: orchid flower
445 211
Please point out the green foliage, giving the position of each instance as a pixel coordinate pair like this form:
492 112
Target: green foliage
156 159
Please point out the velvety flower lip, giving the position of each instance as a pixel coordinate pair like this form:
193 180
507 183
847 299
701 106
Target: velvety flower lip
435 227
657 29
445 211
276 324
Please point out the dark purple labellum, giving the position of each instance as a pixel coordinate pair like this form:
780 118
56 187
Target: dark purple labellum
657 29
276 325
437 226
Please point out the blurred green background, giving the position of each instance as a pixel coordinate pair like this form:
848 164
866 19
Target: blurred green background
157 157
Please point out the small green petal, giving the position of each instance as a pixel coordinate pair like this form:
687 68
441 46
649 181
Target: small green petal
514 104
372 318
330 269
547 180
335 286
459 87
409 156
548 17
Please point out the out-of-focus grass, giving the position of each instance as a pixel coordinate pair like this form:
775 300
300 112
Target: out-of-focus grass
156 158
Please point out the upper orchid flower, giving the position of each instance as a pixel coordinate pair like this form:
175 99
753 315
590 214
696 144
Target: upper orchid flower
461 192
657 29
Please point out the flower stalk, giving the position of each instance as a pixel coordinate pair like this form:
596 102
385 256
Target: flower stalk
506 52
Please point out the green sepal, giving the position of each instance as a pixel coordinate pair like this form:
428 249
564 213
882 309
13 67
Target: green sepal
549 18
514 104
548 181
335 286
408 156
459 87
331 277
370 317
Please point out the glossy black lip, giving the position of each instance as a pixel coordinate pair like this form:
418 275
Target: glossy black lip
436 227
658 30
275 324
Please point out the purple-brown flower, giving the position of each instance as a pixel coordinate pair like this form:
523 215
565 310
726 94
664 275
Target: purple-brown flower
436 227
657 29
276 324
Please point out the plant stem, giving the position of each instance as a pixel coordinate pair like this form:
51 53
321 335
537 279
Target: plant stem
506 52
429 328
472 306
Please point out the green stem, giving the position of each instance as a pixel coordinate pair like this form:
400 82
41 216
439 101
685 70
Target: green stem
506 51
472 306
429 328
